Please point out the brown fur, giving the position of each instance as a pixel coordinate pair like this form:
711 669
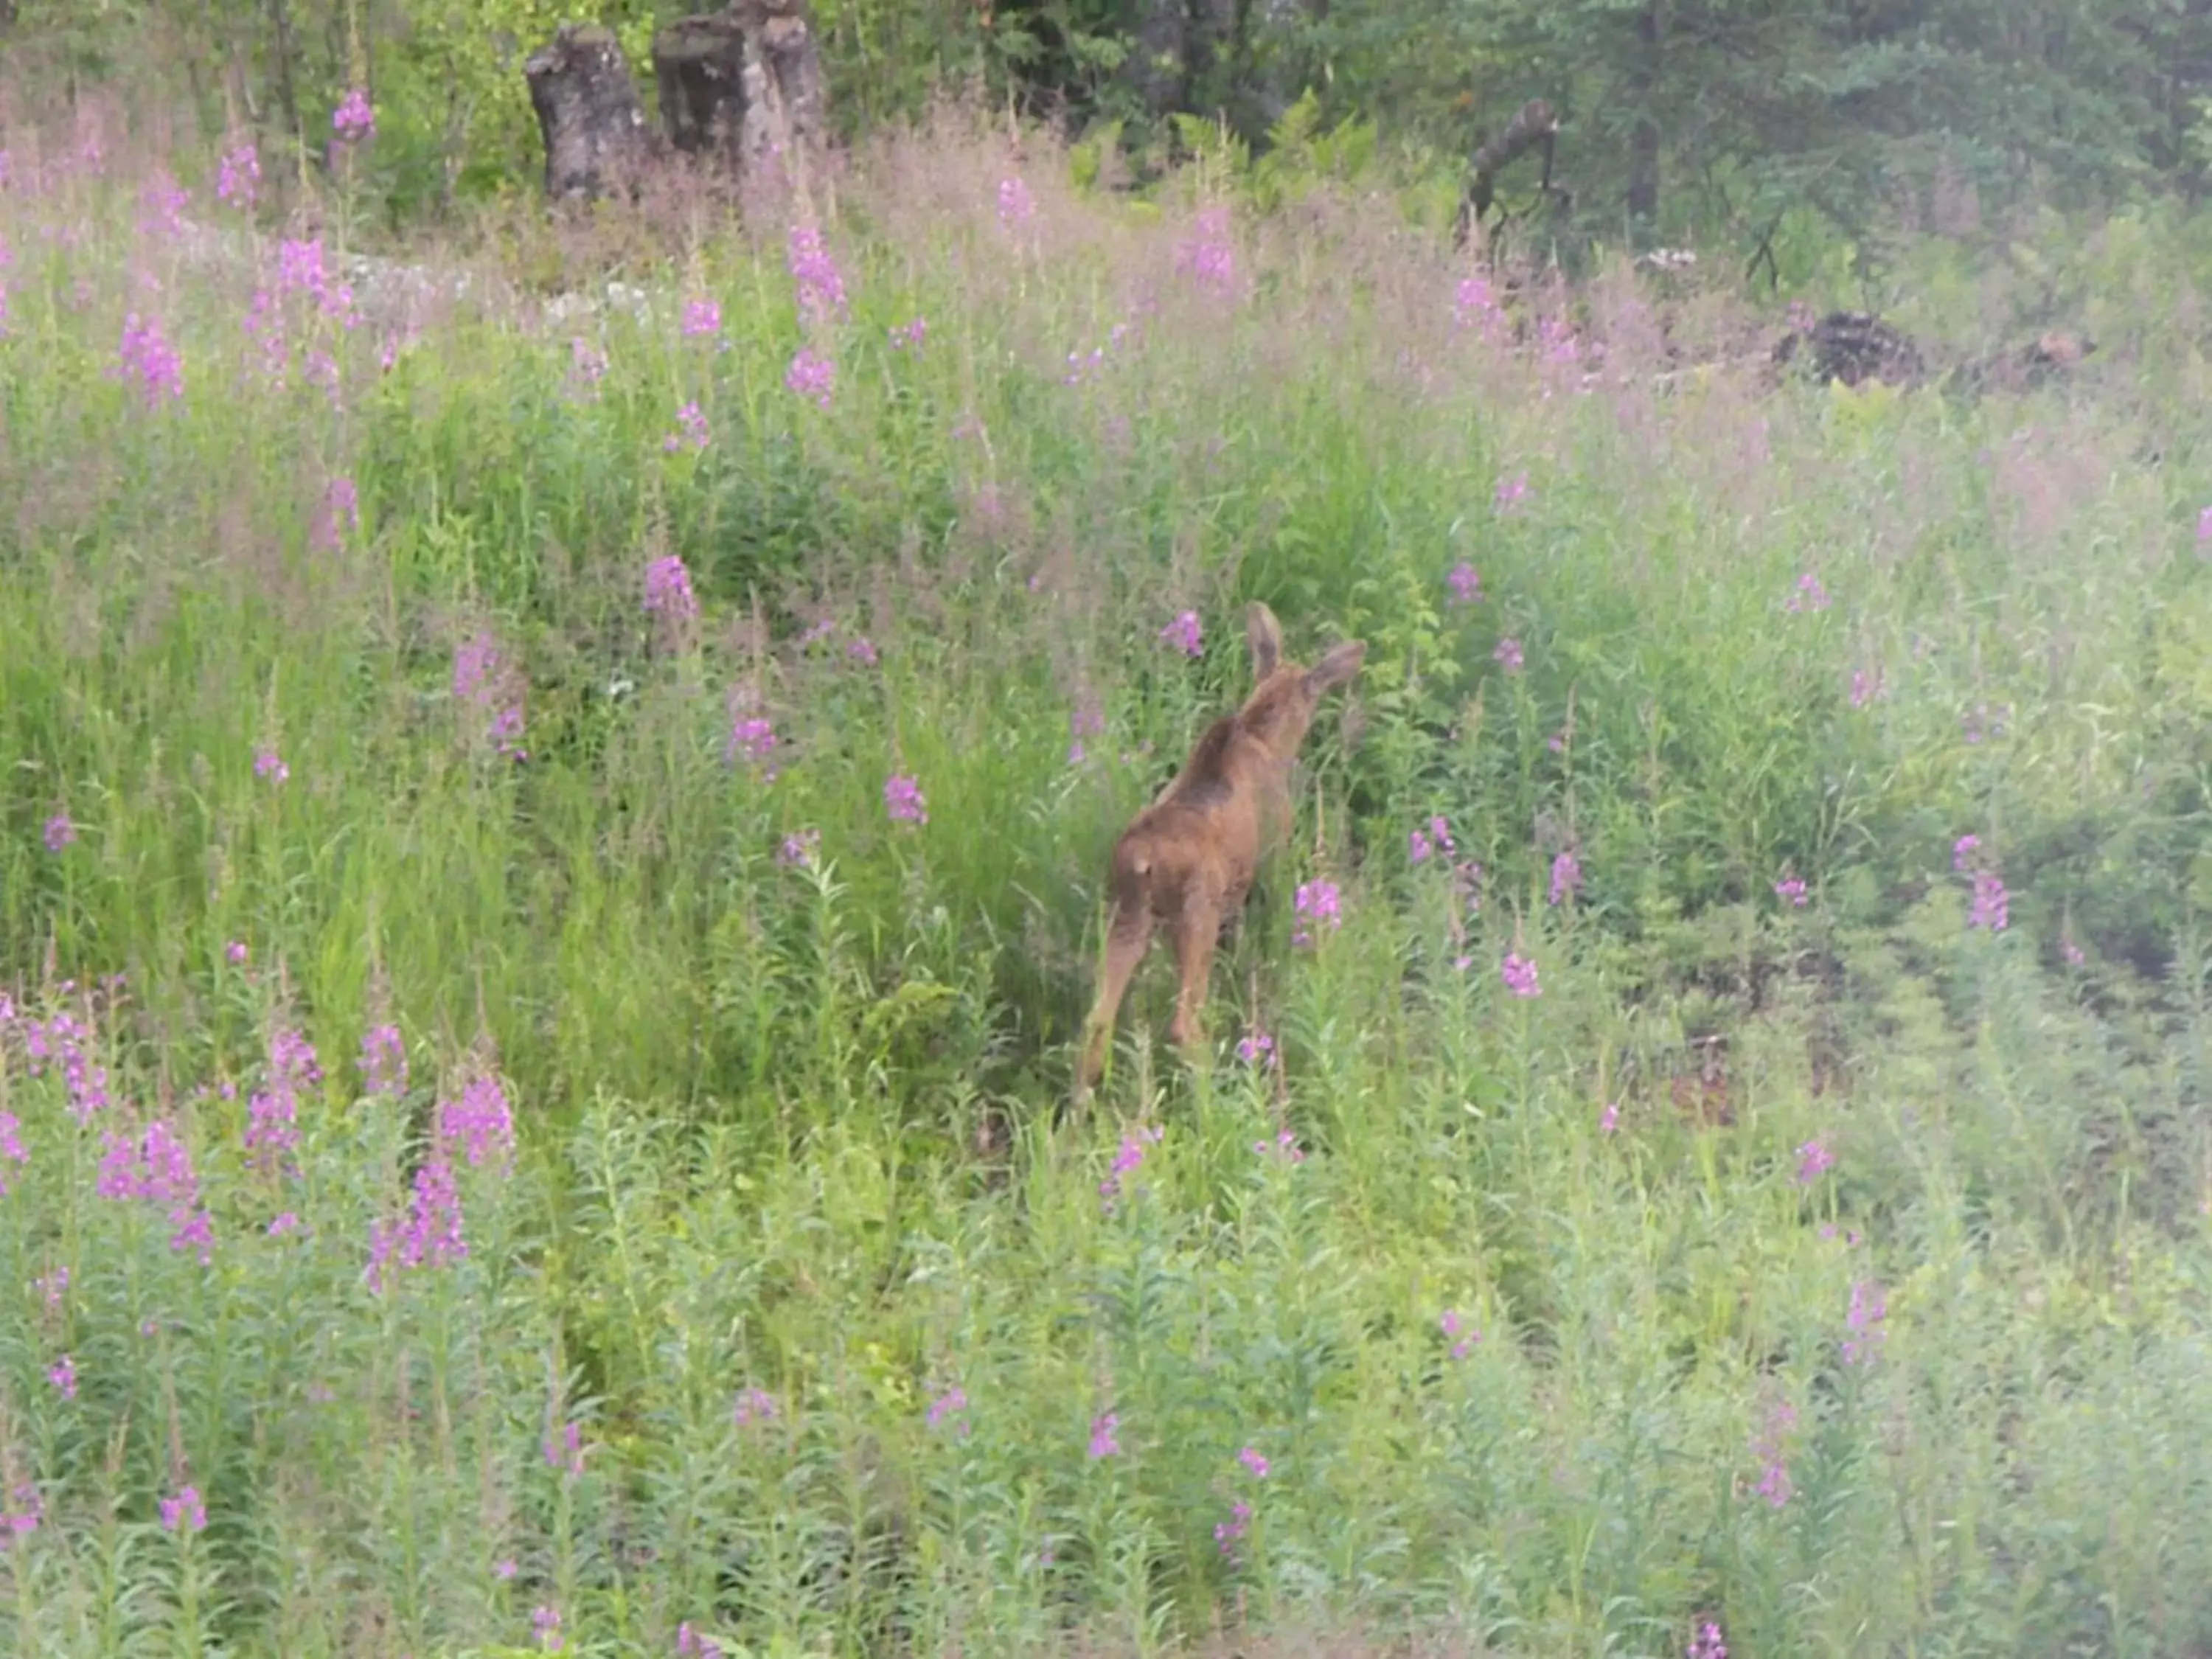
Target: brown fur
1187 861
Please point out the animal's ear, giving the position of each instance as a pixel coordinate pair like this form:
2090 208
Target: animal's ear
1266 636
1339 665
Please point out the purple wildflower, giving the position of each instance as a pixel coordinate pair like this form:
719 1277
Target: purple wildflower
1226 1533
147 356
694 432
184 1511
862 651
1510 493
754 1406
811 375
1126 1161
1809 595
1991 903
354 120
2205 533
431 1234
908 335
1508 654
1865 687
567 1453
1104 1442
1791 889
585 365
1183 633
1285 1147
1519 973
269 764
690 1644
702 318
668 590
1963 851
1767 1446
11 1149
479 1123
63 1375
52 1286
1466 584
1474 304
1609 1120
383 1061
815 273
1707 1644
286 1221
1461 1335
902 800
952 1405
239 178
753 737
799 848
1316 905
1208 256
1251 1458
1255 1048
1015 207
339 517
1566 877
545 1625
1813 1160
164 200
272 1112
60 832
1869 1308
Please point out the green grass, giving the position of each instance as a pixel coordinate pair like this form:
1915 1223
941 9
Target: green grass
793 1126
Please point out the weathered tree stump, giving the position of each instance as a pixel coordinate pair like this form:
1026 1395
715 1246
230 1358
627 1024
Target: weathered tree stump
743 86
1852 346
595 132
700 64
785 105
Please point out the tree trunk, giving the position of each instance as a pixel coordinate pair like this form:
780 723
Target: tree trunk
1644 136
596 138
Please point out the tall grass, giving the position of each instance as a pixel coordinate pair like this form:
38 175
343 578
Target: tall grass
719 1270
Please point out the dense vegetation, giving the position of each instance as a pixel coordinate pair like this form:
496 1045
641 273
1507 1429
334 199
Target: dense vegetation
550 858
1752 126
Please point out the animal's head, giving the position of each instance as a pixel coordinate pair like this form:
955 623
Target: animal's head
1285 695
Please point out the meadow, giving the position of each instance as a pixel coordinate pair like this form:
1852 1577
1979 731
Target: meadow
551 862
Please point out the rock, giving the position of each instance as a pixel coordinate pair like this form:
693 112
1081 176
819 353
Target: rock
596 136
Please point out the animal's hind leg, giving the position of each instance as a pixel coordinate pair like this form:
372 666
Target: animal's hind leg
1196 930
1130 933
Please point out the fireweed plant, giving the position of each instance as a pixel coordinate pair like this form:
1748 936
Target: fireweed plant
549 864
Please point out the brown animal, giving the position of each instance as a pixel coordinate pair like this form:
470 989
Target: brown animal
1187 861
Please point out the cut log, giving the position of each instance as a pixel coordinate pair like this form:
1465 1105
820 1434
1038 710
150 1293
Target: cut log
595 132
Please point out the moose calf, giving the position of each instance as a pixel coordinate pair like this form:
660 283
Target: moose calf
1187 860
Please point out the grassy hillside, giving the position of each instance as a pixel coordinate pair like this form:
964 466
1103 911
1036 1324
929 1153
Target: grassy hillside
549 860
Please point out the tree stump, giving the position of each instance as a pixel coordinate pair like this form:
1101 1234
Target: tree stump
596 137
742 85
700 64
784 100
